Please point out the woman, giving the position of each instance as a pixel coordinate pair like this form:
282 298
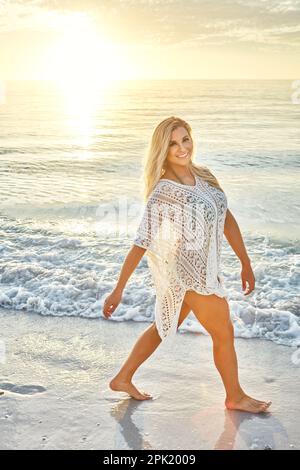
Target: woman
186 202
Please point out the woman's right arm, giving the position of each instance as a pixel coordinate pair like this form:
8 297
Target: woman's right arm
131 261
146 231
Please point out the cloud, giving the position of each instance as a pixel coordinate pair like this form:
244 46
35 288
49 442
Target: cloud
283 6
32 16
167 22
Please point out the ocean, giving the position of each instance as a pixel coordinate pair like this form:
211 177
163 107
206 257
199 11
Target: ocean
71 194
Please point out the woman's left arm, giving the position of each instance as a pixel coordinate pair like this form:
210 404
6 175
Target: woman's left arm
233 234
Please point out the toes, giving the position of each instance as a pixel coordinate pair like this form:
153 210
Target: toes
147 395
265 406
267 403
258 407
256 401
139 397
259 402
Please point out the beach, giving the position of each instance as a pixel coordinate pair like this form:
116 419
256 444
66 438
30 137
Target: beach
55 374
70 204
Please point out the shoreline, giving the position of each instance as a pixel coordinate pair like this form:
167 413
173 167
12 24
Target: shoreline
55 378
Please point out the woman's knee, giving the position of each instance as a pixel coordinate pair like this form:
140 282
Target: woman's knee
222 333
213 313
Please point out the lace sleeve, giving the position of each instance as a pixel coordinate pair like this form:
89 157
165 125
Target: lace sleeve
150 223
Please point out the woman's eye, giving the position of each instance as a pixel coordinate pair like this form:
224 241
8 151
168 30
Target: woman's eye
186 138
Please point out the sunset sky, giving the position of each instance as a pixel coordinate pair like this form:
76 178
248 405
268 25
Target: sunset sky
149 39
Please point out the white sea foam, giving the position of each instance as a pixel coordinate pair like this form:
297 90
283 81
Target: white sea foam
47 272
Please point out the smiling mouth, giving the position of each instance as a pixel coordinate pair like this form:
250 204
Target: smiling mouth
183 156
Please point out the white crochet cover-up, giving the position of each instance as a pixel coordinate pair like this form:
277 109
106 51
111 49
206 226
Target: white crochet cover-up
182 230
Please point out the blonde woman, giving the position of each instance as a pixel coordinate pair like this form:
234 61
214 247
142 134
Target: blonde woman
181 231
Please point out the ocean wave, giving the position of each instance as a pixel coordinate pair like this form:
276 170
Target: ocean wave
53 273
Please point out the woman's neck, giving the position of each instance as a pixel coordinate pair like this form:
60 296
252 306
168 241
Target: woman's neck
183 174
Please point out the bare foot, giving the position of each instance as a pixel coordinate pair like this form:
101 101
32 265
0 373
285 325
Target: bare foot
246 403
128 387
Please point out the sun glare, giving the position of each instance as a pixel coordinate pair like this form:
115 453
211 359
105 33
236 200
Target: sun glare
85 66
83 56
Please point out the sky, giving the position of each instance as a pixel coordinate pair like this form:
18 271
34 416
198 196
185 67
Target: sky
149 39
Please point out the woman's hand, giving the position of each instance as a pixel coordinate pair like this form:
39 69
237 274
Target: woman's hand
111 302
247 276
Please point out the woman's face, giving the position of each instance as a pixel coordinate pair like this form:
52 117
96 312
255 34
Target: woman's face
180 148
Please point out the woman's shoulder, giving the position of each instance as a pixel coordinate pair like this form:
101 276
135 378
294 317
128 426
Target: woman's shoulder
163 184
162 192
163 179
165 187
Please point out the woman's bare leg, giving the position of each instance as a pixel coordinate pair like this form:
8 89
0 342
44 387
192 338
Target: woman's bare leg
143 348
213 313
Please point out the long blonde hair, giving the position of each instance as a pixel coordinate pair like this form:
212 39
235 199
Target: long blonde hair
157 151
